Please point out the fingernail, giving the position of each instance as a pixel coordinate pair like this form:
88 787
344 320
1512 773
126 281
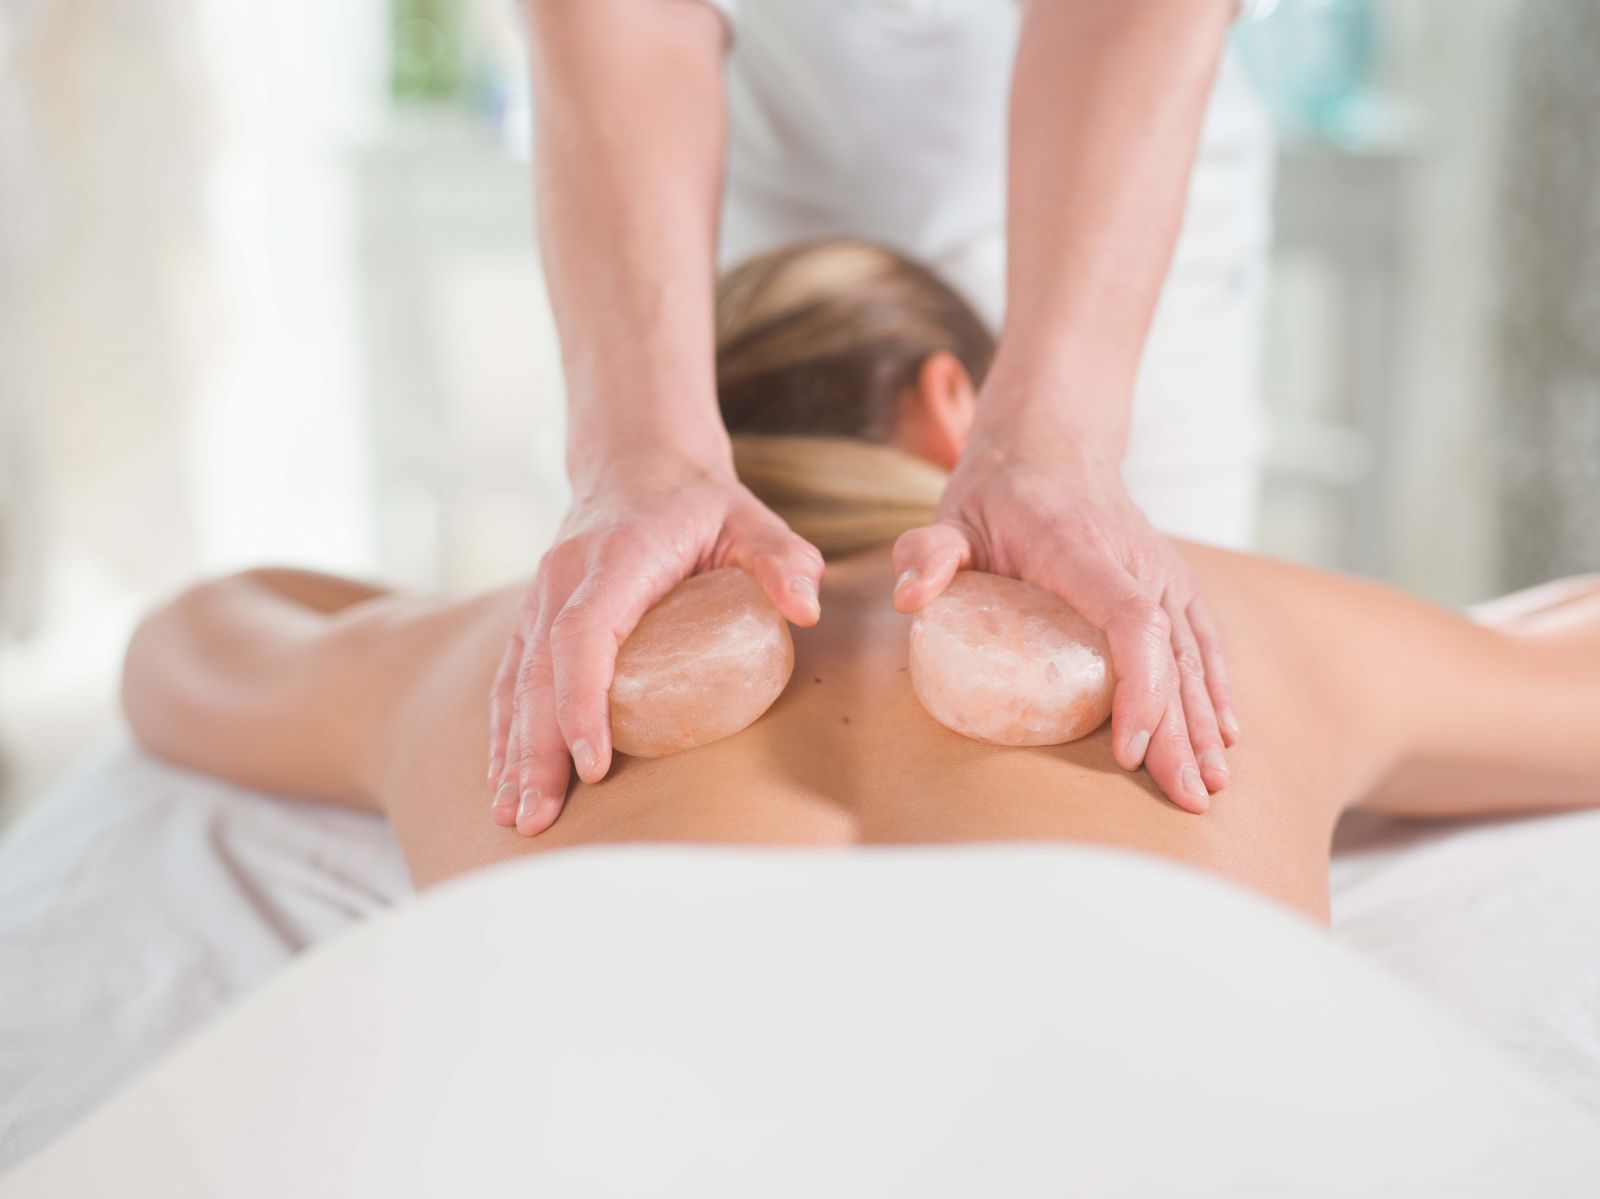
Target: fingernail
1189 780
905 580
584 757
1137 744
806 591
1230 724
506 794
1215 761
530 801
505 814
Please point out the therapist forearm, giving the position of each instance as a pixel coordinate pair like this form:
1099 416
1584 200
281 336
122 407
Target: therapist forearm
630 125
1107 102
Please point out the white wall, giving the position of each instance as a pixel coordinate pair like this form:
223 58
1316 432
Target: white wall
180 366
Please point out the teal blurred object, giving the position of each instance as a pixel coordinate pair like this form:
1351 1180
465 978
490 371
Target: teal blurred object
1311 60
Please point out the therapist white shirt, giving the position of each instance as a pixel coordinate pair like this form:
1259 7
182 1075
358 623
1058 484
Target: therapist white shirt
886 119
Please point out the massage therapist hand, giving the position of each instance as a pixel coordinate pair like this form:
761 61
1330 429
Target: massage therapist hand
1106 103
627 195
635 531
1031 505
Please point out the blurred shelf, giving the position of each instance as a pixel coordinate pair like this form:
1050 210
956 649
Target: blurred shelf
1325 453
1335 352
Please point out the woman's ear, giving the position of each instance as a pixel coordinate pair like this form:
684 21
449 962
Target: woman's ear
936 411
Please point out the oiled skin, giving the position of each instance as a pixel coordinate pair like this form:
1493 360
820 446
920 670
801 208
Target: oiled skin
1347 693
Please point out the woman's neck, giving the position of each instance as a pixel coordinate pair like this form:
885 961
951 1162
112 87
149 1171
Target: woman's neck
859 578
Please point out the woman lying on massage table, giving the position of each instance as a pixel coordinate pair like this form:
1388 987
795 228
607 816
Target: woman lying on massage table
847 377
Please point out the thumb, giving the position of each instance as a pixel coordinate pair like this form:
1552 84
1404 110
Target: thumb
789 570
925 560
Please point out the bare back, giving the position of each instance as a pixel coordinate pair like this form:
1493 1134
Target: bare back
1346 692
847 755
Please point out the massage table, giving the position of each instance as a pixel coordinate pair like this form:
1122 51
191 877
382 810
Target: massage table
139 902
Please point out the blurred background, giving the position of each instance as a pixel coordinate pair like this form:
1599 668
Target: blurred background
269 292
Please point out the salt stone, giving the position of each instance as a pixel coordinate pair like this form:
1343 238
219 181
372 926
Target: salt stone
1006 662
703 664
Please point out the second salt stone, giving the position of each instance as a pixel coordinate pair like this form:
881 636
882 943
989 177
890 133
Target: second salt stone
1003 661
701 665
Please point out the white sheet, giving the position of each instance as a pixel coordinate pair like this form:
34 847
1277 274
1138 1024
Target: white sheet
1498 920
995 1020
138 901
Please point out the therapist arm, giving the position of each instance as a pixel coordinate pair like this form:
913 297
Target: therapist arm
630 127
1108 97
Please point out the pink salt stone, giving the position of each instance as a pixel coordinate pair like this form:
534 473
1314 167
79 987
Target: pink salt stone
702 664
1006 662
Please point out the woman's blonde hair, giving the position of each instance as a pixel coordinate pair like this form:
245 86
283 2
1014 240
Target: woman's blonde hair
816 346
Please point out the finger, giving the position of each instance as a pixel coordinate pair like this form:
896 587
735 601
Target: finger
502 704
789 570
1215 664
584 639
1205 738
925 560
1140 637
503 808
1170 760
543 767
